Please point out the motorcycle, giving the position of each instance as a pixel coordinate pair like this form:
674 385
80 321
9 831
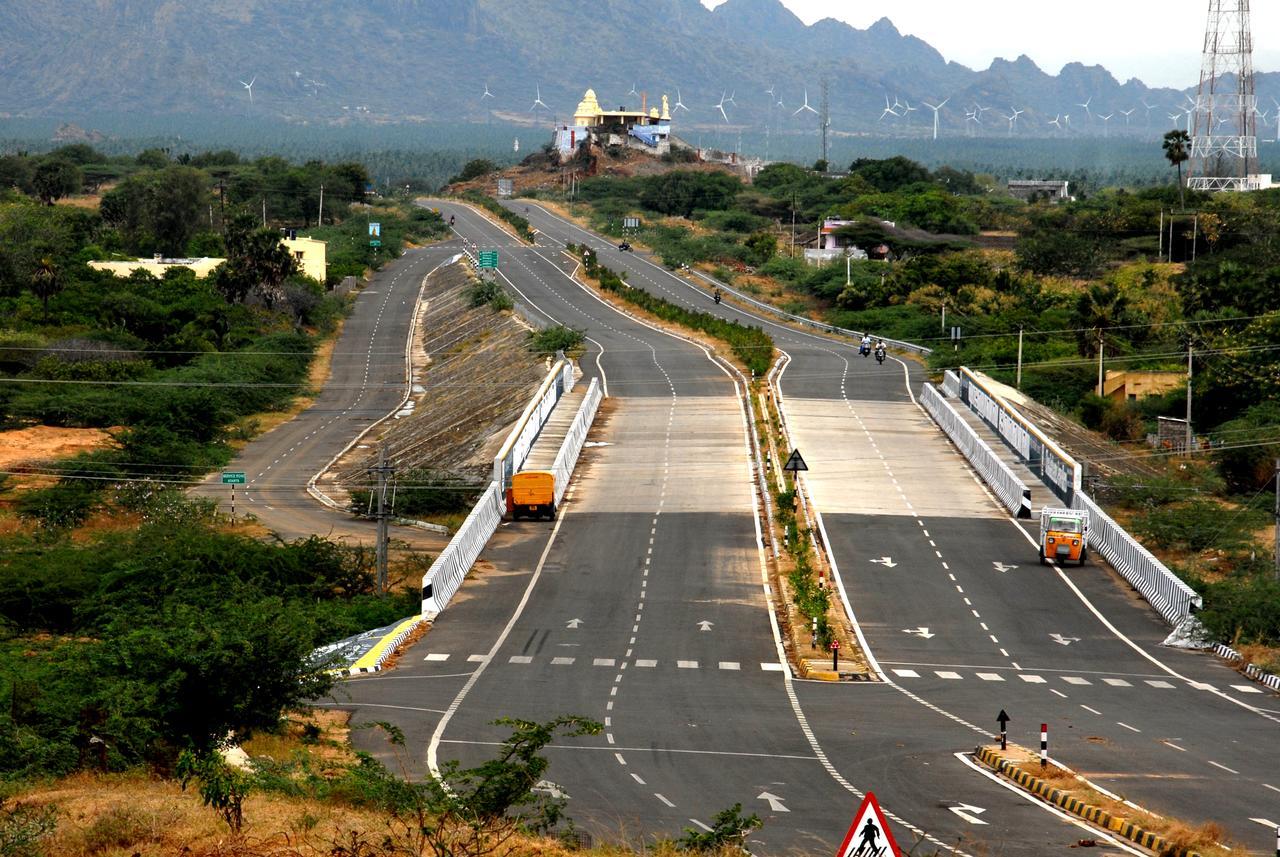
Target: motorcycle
880 355
717 296
624 246
864 349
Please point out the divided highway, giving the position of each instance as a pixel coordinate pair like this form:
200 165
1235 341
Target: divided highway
645 607
965 622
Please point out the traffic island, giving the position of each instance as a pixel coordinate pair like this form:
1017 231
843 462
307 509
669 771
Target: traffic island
1073 794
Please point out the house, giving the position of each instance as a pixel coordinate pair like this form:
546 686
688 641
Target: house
831 245
157 265
647 129
1033 189
310 254
1131 386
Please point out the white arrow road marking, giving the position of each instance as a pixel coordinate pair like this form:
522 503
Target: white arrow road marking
1002 568
921 632
1063 641
705 625
775 802
573 623
963 811
549 788
886 561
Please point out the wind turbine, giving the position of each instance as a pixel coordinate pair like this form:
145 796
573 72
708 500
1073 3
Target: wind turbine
537 101
249 86
1126 114
1016 114
633 89
907 110
1086 104
487 93
888 111
979 110
679 103
720 107
730 100
971 116
1106 124
804 106
1149 108
1277 104
1057 122
935 108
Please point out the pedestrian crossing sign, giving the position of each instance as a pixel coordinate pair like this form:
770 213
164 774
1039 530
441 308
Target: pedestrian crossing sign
869 834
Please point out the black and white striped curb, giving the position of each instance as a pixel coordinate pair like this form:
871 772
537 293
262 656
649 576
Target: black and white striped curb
1250 670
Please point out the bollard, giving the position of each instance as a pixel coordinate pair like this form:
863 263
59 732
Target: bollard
835 656
1044 745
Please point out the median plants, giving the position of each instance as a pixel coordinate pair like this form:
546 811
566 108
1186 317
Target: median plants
751 345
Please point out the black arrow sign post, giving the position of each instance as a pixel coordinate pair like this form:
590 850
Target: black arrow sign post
1003 719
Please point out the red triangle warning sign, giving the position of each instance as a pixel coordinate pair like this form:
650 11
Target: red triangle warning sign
869 834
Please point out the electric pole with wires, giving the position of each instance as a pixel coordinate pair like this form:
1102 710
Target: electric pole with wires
383 471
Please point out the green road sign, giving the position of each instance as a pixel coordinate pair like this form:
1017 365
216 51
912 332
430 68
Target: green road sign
488 258
375 243
233 477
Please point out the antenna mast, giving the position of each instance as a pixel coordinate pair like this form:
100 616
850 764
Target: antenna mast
1224 143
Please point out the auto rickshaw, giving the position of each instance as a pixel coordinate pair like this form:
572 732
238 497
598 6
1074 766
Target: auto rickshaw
1064 535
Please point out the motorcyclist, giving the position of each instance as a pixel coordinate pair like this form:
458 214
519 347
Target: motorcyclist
450 219
718 295
865 348
880 351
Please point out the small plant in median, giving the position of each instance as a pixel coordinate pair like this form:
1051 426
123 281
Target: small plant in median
556 338
729 828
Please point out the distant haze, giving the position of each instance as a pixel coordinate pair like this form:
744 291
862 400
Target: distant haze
1158 42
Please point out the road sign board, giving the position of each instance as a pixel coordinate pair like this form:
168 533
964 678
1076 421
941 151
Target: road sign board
795 463
869 834
375 230
488 258
375 243
630 223
505 187
233 477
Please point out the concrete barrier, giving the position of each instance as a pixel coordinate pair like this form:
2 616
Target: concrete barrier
1011 490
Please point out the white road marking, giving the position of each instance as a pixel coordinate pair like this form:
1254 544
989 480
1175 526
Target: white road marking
1245 688
730 665
991 676
1224 767
562 662
521 659
952 676
1117 682
603 662
1091 710
687 665
636 777
436 656
664 800
907 673
1174 746
1058 692
771 667
1075 679
1164 685
1127 726
621 761
1032 679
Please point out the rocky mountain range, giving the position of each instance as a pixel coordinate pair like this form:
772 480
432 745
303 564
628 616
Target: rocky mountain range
433 60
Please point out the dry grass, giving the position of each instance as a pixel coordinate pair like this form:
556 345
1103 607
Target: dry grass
41 443
1210 839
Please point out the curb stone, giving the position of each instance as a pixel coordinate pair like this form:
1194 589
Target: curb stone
372 661
1251 671
1075 806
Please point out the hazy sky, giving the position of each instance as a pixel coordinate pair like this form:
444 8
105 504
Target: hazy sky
1156 40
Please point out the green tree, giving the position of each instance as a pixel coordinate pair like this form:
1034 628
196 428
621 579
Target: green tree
46 281
16 172
176 200
1177 150
55 179
682 192
763 247
1100 307
255 259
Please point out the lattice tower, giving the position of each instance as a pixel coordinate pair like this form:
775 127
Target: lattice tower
1224 140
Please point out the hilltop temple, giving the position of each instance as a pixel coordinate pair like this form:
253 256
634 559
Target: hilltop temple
646 129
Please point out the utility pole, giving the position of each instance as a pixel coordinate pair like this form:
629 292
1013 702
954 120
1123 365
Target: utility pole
1160 238
1018 383
944 316
264 212
1277 551
222 205
1190 436
826 118
793 224
1195 235
1101 349
320 218
383 471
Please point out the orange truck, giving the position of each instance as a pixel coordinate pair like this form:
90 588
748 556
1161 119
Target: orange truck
1064 535
532 494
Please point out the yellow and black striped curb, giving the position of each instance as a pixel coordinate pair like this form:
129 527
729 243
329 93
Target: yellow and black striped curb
1077 807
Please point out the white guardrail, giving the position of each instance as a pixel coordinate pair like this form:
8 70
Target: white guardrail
524 433
1162 589
1011 490
445 576
567 457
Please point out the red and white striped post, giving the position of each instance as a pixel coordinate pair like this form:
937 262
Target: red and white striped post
1044 748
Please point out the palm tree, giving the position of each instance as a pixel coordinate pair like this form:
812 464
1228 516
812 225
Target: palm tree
46 281
1176 149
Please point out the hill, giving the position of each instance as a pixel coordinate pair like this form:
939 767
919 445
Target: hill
430 61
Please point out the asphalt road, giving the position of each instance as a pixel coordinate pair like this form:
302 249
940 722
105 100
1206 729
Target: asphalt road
367 381
965 622
644 607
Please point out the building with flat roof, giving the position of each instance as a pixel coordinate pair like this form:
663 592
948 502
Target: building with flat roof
157 265
311 256
1031 189
647 129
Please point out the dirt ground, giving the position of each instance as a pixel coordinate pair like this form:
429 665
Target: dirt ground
28 446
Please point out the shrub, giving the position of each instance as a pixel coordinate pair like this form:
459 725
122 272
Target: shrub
1197 526
1246 613
555 338
489 292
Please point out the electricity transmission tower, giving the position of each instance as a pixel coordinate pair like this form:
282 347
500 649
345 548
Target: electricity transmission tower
1224 143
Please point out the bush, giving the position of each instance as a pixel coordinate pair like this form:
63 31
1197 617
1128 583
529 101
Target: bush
556 338
1243 612
1197 526
489 292
424 492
